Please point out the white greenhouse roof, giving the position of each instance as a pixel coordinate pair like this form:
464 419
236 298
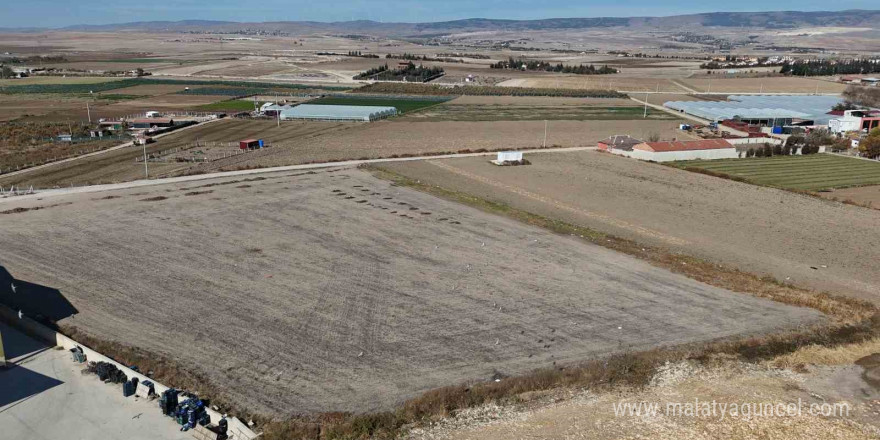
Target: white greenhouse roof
338 112
761 107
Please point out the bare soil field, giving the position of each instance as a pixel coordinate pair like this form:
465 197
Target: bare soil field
797 239
401 137
541 101
17 106
862 195
333 290
120 165
510 112
57 80
613 82
768 85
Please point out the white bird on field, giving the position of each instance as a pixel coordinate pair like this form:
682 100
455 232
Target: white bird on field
13 287
483 244
20 315
360 354
496 341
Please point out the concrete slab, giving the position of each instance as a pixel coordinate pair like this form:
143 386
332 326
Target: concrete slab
44 396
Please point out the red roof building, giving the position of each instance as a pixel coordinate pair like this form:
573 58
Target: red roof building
662 147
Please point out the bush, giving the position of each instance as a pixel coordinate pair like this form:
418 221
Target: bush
777 150
794 140
750 152
768 150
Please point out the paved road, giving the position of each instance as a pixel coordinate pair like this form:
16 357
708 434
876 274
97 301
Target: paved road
44 397
348 163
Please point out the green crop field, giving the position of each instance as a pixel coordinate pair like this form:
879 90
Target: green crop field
403 105
809 173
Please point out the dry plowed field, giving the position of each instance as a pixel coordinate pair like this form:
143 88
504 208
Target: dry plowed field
795 238
337 291
404 137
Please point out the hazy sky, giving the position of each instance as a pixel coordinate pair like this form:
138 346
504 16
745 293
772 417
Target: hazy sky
59 13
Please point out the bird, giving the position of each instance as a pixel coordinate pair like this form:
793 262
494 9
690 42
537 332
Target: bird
483 244
13 287
496 341
20 315
360 354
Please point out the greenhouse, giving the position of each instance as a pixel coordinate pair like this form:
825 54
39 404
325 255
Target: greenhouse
338 112
761 109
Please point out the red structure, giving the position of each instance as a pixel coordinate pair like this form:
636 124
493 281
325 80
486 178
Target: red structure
250 144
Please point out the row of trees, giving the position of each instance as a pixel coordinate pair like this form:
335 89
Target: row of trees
830 67
582 69
780 150
410 72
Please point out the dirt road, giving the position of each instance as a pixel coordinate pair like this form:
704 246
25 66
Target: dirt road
333 290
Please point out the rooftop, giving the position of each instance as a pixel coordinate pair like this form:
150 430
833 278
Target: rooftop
621 142
707 144
813 107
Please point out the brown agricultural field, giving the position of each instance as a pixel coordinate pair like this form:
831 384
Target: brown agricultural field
401 137
768 85
120 165
337 291
794 238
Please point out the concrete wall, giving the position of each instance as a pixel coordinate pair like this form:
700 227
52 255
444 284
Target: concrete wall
668 156
237 429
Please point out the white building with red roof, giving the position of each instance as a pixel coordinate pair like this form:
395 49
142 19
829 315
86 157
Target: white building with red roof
706 149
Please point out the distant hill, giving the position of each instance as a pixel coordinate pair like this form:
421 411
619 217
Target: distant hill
767 20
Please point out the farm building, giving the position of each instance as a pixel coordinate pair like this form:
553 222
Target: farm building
763 110
338 112
706 149
147 123
250 144
619 142
855 120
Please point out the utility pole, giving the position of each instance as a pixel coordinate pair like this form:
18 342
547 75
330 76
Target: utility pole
646 106
545 133
89 112
146 166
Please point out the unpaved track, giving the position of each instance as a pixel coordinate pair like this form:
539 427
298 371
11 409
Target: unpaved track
296 298
795 238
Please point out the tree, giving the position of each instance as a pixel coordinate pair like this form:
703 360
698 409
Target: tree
654 137
6 72
750 152
768 150
870 146
777 150
794 141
